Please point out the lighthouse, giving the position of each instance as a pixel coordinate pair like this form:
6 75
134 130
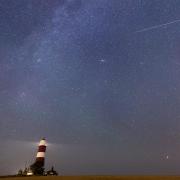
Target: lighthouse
37 168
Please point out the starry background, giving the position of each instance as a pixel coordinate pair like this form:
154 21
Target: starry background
81 73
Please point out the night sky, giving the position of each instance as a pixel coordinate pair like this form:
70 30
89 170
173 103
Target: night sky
100 79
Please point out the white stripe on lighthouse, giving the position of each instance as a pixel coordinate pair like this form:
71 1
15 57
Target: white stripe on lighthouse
42 142
40 154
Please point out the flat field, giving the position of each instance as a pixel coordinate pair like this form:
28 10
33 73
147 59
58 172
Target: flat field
96 178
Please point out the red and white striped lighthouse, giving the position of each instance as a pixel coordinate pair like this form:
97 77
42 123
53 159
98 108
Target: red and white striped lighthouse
37 167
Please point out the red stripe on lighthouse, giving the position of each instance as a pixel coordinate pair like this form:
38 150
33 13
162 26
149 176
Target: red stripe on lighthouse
42 149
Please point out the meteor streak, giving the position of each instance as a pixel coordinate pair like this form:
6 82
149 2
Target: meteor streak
157 26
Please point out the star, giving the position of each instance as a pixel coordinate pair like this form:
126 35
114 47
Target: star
22 94
102 61
38 60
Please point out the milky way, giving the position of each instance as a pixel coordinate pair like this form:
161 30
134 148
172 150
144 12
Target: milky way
76 73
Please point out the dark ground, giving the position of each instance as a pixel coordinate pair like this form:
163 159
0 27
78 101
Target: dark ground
97 177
